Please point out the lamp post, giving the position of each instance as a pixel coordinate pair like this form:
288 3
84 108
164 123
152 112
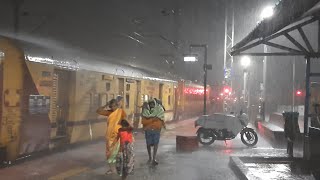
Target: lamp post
245 63
266 13
206 67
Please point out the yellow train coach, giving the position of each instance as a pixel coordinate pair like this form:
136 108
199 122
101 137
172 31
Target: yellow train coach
49 101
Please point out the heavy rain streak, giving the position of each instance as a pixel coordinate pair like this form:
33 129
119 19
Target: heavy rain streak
160 90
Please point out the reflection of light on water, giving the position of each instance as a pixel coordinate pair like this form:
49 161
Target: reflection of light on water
269 171
229 147
261 129
228 144
227 151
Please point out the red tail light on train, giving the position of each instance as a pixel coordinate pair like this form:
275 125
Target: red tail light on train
195 91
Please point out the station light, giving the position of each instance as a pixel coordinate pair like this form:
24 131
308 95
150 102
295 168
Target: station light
245 61
267 12
190 59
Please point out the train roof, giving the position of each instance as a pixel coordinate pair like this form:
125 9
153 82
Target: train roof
53 53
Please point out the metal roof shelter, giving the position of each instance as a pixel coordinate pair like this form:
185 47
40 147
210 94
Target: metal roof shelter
289 16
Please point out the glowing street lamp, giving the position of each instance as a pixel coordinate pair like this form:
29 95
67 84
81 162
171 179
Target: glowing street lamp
267 12
245 61
190 58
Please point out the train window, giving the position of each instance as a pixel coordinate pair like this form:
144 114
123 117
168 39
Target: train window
93 101
108 86
127 101
128 87
96 100
169 100
103 99
45 74
107 98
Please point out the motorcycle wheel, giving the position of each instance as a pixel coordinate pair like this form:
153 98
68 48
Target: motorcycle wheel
249 137
204 138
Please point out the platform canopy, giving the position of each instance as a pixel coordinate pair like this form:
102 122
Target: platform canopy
289 15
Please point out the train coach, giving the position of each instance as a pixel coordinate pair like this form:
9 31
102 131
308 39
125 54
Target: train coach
49 101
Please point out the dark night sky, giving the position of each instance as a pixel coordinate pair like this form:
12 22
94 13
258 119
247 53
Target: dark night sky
105 27
164 28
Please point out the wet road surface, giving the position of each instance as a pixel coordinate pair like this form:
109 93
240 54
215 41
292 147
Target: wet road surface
88 162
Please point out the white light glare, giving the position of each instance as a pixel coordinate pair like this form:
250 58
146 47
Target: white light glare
190 59
62 64
245 61
267 12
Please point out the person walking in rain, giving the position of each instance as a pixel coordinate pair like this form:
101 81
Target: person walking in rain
114 112
125 158
153 122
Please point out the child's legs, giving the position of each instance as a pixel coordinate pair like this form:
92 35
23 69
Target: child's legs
130 155
119 164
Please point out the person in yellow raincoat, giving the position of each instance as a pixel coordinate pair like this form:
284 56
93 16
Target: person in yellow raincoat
114 112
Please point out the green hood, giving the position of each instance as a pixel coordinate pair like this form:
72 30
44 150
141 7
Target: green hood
157 111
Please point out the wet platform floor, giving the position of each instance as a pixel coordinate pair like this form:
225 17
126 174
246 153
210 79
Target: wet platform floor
88 162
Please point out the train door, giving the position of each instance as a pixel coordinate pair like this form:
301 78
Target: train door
63 91
35 124
121 87
161 92
137 103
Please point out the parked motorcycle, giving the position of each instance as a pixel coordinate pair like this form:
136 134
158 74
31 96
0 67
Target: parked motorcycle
225 127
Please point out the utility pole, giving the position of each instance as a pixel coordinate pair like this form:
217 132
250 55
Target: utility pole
265 50
228 44
205 74
293 83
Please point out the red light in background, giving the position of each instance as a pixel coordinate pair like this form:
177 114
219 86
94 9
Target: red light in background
227 90
195 91
298 92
